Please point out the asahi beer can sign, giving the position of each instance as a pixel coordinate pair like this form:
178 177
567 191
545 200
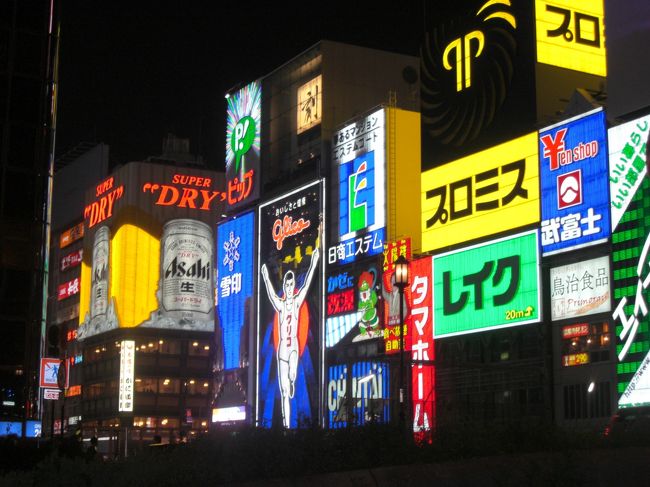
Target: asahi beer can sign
101 315
186 275
149 249
100 267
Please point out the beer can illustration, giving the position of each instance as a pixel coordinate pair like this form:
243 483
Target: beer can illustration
100 273
186 284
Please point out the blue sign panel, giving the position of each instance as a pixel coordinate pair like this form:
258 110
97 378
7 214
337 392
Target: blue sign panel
574 183
235 240
359 152
368 388
360 209
11 428
32 429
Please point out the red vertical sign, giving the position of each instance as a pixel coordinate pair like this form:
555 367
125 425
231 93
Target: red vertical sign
392 250
422 349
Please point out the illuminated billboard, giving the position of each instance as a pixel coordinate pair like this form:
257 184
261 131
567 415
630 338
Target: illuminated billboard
68 289
310 102
391 295
148 256
477 71
243 129
488 286
353 303
367 384
289 308
73 259
580 289
627 163
127 372
480 195
235 246
359 153
71 235
575 184
571 35
423 395
631 272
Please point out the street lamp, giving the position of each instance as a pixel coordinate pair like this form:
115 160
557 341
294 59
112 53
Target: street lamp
401 281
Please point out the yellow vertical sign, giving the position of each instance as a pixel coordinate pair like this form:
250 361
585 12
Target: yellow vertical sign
483 194
571 35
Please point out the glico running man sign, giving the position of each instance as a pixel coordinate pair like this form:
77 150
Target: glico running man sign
290 303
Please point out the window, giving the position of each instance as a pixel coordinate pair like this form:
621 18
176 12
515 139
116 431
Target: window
146 385
197 386
169 386
199 348
584 343
580 403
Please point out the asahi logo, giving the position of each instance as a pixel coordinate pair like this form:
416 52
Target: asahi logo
196 270
466 68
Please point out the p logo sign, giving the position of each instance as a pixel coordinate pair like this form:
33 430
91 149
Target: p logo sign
242 138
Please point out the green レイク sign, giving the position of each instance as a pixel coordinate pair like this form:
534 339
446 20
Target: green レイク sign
488 286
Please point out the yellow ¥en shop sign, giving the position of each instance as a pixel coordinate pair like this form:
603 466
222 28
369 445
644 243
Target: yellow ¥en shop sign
480 195
571 35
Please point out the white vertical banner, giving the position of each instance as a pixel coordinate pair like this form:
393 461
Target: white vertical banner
127 369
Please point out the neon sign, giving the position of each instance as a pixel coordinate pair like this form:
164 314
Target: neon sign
485 193
185 196
243 129
487 286
235 241
571 36
368 384
290 304
358 150
102 209
573 174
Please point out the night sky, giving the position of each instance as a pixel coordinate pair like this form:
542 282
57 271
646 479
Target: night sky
130 72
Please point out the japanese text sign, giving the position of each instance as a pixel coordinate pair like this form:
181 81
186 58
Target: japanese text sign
627 163
482 194
71 235
353 306
488 286
358 150
580 289
422 346
575 188
571 35
235 244
631 262
243 135
289 307
68 289
127 371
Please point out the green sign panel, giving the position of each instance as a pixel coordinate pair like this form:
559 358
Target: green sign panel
631 264
488 286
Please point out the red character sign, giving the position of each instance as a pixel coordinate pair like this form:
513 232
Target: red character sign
422 347
240 190
190 193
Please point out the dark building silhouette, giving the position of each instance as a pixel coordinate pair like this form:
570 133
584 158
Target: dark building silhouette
28 47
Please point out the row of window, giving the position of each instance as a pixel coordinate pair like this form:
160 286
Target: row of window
192 348
587 401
